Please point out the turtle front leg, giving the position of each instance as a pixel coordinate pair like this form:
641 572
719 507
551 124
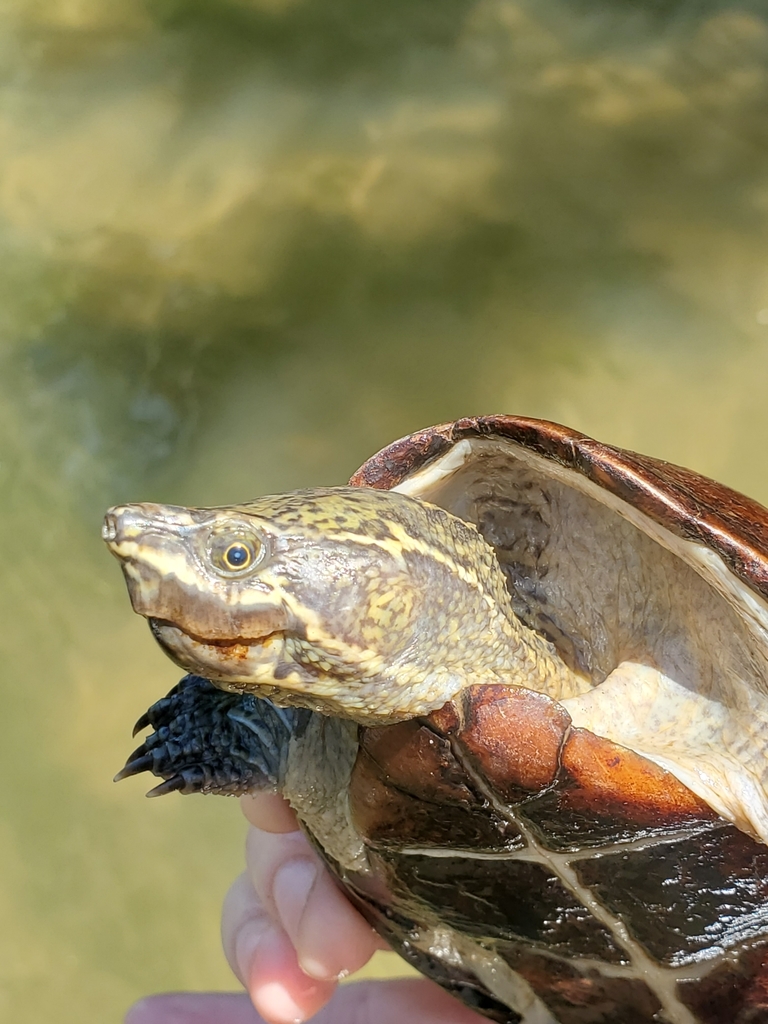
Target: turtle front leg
206 740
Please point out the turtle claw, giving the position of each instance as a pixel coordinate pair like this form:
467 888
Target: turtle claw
135 765
161 712
139 752
142 723
173 785
207 740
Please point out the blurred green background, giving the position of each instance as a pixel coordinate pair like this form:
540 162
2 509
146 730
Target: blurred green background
246 243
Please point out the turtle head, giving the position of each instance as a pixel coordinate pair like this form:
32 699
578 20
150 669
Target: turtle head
346 600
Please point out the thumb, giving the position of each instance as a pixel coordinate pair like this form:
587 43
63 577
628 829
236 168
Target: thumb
363 1002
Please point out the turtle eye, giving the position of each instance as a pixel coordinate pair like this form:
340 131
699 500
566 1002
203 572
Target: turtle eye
234 554
238 556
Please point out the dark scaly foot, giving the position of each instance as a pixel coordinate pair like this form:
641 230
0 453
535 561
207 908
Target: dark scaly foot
208 741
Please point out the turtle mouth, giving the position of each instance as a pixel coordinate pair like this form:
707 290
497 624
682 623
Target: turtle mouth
160 627
223 660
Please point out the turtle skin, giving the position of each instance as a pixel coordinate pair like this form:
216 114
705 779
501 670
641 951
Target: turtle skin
582 866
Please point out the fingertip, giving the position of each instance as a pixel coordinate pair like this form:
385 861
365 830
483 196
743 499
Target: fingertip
262 956
348 948
269 812
301 896
280 991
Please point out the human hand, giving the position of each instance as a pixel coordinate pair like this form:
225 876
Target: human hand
289 935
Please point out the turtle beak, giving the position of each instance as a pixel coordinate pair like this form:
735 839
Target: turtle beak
128 527
151 542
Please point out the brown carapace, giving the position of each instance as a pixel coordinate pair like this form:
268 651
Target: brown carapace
590 871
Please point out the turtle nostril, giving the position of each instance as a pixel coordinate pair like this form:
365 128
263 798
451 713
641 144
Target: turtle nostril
109 529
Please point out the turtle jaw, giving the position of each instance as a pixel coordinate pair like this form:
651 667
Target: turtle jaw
233 664
272 666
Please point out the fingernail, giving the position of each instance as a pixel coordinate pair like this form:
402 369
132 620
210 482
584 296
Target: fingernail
314 969
290 888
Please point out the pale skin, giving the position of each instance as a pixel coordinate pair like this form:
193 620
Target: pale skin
289 935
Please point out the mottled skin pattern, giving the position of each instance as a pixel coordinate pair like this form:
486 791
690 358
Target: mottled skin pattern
356 602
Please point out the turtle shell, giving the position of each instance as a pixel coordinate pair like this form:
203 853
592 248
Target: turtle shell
541 870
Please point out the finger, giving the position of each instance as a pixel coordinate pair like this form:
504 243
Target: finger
365 1002
330 937
243 924
263 958
279 989
269 812
194 1008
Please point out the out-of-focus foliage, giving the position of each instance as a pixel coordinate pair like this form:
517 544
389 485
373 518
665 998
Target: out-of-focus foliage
243 244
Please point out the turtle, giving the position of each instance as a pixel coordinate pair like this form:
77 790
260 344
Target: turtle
514 682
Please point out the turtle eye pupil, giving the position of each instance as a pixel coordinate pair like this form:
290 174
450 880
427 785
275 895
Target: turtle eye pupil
237 556
233 551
